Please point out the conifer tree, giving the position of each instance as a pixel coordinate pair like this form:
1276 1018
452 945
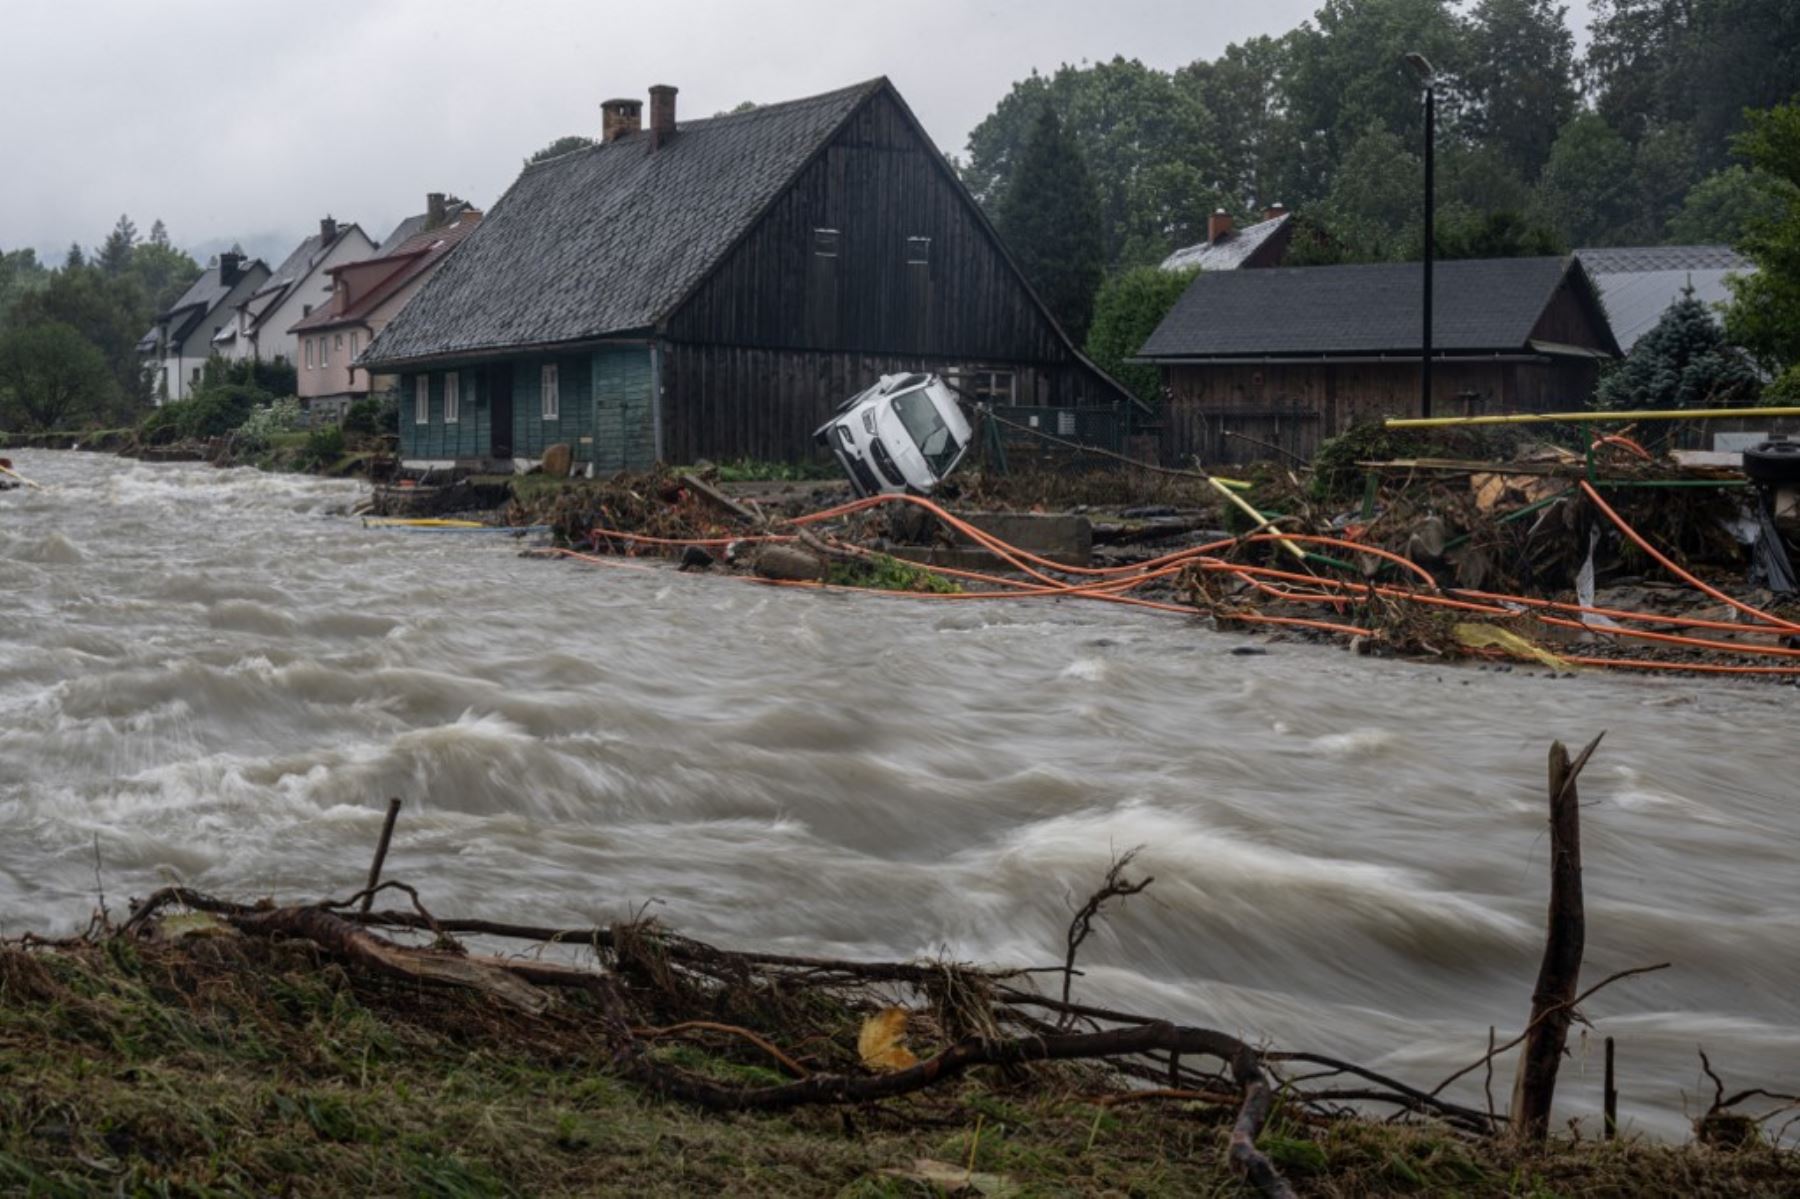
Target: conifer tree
1050 218
1684 362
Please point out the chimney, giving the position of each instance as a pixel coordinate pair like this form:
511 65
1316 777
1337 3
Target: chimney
662 114
327 228
434 209
230 267
1218 225
1275 210
619 117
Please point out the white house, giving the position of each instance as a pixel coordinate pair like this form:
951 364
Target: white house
300 284
180 342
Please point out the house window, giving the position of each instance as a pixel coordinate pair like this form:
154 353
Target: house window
987 387
452 397
825 242
340 342
309 352
918 251
353 345
422 400
324 352
548 385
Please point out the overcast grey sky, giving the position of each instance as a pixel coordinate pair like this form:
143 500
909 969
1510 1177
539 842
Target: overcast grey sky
250 120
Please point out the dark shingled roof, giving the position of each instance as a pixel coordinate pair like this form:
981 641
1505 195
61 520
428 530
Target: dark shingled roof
1478 305
202 296
611 238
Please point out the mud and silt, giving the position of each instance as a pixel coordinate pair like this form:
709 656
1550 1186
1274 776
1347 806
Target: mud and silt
216 677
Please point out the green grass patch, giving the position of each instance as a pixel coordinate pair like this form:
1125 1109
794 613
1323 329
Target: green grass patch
230 1067
884 572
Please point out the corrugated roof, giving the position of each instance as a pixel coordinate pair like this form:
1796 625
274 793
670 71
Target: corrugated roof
1635 301
1478 305
1228 252
610 238
1614 260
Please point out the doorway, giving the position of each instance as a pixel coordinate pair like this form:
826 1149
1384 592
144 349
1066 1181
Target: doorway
500 410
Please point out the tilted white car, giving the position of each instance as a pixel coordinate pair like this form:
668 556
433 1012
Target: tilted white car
903 434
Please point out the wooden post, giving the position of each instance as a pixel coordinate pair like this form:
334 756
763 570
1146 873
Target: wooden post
1611 1097
381 848
1534 1087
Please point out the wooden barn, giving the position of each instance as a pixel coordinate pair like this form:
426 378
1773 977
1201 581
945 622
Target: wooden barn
1263 363
715 288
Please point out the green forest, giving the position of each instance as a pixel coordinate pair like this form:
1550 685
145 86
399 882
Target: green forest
1677 124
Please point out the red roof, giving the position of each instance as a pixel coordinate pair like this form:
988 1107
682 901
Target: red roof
392 271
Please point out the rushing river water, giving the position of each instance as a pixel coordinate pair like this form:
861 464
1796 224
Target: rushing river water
216 677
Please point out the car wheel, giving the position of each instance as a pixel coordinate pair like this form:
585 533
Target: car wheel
1773 462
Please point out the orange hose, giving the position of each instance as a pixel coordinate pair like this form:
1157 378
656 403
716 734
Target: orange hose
1109 584
1669 564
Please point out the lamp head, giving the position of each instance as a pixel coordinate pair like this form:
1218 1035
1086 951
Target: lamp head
1421 66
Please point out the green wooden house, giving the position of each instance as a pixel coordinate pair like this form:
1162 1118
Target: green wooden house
714 289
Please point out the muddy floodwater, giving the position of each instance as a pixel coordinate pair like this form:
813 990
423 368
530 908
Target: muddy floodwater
217 677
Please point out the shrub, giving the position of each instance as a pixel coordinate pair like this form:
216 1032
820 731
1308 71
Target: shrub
210 412
1126 312
282 416
324 447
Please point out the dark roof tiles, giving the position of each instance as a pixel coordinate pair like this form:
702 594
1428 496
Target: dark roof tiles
1486 305
609 239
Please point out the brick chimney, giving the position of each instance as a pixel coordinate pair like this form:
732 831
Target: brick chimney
619 117
231 267
327 228
662 114
1218 225
1275 210
435 212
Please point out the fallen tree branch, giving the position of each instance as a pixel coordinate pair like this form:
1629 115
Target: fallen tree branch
1255 1100
1114 886
1573 1003
789 1064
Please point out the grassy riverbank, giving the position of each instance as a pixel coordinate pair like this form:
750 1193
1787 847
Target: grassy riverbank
235 1067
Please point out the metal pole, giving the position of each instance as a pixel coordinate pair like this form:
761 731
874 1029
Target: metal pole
1430 237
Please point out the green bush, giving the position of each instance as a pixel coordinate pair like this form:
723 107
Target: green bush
210 412
1126 312
373 415
283 416
324 447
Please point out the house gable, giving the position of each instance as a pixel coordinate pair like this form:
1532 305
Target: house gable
873 248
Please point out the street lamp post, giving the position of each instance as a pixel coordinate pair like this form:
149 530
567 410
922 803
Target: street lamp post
1427 76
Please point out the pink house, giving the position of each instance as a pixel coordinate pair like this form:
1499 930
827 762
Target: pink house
365 296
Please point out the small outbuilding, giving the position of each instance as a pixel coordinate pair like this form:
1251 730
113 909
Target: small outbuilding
1279 359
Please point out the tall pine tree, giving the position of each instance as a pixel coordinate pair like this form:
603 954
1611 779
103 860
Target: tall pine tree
114 258
1050 218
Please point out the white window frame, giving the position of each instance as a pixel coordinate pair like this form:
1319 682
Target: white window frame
353 346
550 389
340 341
309 353
918 251
324 352
422 400
452 397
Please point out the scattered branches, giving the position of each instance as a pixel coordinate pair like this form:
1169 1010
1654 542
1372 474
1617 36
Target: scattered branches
1114 886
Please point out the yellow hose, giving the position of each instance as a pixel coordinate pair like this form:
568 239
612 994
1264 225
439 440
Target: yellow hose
1537 418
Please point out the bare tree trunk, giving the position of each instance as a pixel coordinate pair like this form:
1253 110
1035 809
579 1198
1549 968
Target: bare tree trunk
1534 1087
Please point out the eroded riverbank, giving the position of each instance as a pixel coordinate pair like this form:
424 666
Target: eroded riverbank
214 676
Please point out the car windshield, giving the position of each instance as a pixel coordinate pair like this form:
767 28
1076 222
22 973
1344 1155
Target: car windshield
928 430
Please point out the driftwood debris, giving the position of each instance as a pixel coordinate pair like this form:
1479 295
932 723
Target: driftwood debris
1552 1000
644 983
